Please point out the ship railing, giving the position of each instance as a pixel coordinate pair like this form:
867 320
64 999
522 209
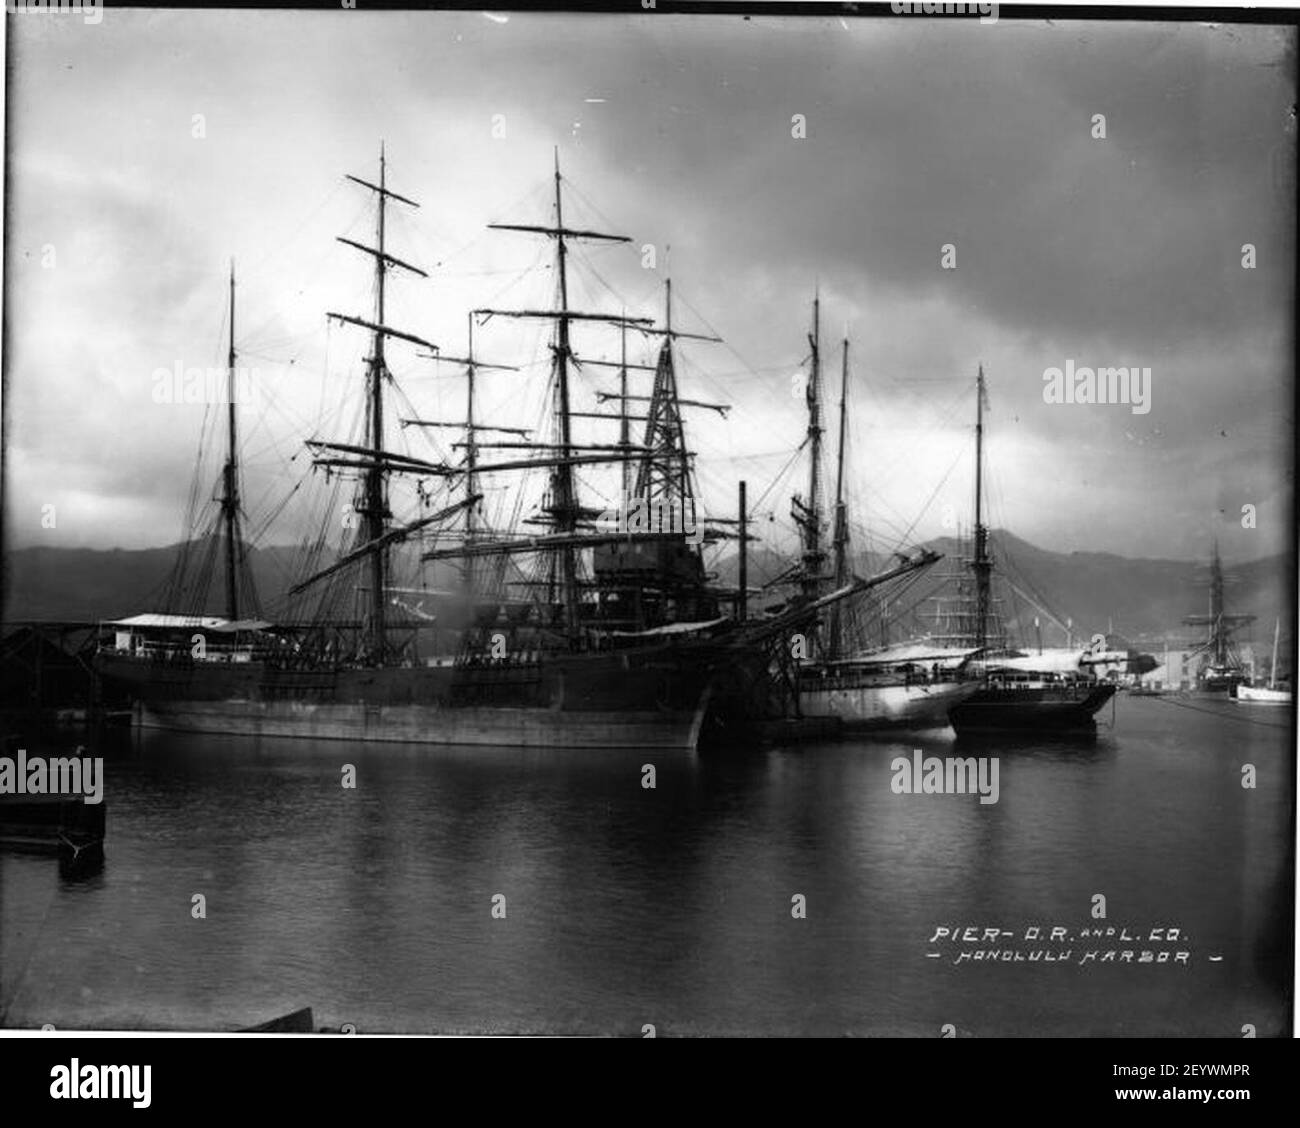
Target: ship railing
512 659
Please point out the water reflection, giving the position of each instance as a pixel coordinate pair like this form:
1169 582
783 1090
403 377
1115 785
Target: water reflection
674 904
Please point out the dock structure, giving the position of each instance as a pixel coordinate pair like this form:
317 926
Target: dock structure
47 674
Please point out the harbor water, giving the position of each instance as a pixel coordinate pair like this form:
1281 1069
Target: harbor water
789 890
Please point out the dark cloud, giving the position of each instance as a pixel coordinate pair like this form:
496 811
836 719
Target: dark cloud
677 131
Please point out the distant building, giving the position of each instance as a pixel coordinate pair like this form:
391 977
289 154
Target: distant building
1185 661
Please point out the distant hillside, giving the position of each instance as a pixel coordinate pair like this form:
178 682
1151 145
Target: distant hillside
1142 598
82 583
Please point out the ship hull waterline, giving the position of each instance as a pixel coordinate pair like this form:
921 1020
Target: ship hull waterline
429 725
1030 710
608 702
884 707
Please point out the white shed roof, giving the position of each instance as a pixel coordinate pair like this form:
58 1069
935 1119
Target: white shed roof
175 622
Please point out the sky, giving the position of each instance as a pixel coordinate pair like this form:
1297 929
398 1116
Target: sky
951 200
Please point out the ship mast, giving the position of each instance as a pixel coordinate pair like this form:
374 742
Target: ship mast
564 509
471 445
375 461
471 365
841 541
624 428
230 492
565 502
808 516
980 563
471 450
1219 622
376 479
664 474
1216 610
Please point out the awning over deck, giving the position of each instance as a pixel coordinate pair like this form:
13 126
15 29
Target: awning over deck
150 620
160 622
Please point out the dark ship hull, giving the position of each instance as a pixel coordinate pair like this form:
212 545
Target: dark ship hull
1053 709
653 697
1220 682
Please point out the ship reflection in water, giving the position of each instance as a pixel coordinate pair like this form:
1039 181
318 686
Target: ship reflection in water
673 906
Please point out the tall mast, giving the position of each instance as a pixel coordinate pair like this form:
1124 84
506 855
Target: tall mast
624 432
471 452
471 444
566 503
841 515
980 563
1219 623
742 579
664 474
564 510
683 481
230 494
376 478
1217 610
1272 671
377 463
809 516
665 469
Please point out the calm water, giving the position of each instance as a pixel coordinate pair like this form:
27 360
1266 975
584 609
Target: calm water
626 906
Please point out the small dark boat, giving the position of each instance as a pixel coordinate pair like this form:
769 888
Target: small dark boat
1032 702
297 1022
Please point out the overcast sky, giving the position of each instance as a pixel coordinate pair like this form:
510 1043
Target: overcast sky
1124 250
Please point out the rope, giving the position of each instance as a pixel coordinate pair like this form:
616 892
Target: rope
1217 713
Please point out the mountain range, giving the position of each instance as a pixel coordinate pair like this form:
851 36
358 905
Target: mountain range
1139 600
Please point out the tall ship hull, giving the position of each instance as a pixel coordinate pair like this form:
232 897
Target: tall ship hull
653 700
865 702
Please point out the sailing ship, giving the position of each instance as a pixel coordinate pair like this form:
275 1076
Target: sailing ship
1053 692
1267 694
908 687
579 635
1222 669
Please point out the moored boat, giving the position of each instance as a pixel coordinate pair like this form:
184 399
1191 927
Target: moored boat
863 696
911 688
1222 669
1271 694
1030 701
1055 692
